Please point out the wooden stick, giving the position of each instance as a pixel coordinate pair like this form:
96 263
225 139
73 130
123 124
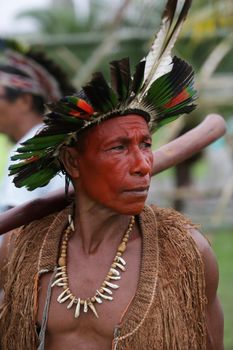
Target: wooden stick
165 157
193 141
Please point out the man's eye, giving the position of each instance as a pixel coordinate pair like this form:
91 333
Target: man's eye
147 144
118 147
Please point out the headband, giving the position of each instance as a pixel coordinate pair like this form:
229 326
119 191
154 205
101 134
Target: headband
38 80
18 82
160 90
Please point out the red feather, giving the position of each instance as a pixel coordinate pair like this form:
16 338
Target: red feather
183 95
75 113
32 159
85 106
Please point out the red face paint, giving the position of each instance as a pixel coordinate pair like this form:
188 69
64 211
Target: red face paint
115 167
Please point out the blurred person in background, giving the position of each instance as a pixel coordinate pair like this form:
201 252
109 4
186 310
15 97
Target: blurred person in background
28 80
183 172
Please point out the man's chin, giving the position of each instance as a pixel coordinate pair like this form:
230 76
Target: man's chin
133 209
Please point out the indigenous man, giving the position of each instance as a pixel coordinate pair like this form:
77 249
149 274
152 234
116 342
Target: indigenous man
28 79
176 151
109 272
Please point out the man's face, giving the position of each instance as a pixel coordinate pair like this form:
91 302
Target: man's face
115 167
8 113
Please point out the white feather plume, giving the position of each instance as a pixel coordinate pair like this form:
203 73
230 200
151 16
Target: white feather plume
159 59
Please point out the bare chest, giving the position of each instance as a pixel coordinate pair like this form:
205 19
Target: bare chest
87 331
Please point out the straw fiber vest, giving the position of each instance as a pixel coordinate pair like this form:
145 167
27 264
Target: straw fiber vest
167 312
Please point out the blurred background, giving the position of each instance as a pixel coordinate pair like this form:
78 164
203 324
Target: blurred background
83 36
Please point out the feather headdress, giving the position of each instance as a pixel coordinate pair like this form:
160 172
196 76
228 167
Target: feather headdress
160 90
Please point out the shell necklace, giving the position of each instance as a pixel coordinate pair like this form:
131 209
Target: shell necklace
105 291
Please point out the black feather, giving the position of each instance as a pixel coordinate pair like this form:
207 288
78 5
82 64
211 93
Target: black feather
170 10
138 77
101 96
182 16
121 78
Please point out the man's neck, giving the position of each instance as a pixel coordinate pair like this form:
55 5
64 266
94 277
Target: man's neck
96 225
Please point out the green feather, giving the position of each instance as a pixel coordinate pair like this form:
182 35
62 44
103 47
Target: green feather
39 179
40 143
27 155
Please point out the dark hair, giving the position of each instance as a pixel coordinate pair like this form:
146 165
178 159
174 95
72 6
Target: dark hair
54 69
38 102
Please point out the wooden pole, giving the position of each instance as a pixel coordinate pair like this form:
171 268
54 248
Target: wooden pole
165 157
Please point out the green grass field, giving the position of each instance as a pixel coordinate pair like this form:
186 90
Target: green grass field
4 149
222 243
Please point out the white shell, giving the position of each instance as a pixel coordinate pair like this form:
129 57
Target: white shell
111 285
120 266
62 294
99 301
107 290
114 277
77 309
59 274
65 298
61 268
104 296
71 222
93 309
85 307
114 271
61 284
121 260
69 306
56 282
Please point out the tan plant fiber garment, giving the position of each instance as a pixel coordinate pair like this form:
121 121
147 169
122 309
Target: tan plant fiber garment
167 312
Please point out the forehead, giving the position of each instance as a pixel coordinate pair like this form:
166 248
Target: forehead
122 126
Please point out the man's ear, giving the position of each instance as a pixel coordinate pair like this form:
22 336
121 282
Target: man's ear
69 157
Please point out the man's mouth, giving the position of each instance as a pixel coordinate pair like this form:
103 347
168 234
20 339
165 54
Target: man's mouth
142 190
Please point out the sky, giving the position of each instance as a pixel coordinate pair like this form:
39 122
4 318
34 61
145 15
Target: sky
10 8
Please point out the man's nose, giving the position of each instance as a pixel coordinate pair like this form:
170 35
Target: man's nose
141 164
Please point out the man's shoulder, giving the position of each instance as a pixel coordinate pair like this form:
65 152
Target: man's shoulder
38 228
171 217
37 237
37 225
176 226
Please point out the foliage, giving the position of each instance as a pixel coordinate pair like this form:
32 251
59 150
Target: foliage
4 149
55 20
223 246
208 25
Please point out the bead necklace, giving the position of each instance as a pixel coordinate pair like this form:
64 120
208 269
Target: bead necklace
105 291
